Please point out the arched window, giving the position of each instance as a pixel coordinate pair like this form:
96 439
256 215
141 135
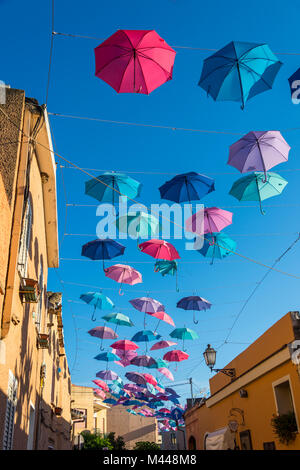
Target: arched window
192 443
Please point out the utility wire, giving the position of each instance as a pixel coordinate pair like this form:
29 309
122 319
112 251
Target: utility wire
51 52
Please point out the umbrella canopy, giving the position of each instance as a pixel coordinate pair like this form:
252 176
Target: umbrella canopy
123 274
159 249
162 344
107 375
184 334
99 393
258 151
101 384
150 379
147 304
107 357
110 401
162 316
138 225
187 187
158 363
166 372
103 332
134 61
257 187
217 245
175 356
143 361
193 302
124 345
172 392
98 300
136 377
208 220
144 335
167 267
118 319
102 249
110 186
239 71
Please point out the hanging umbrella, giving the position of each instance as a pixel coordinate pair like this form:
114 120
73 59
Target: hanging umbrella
99 393
166 372
143 361
167 267
208 220
193 302
150 379
110 401
162 344
102 249
123 274
138 225
125 345
107 357
118 319
131 411
239 71
159 363
103 332
134 61
162 316
111 186
98 300
175 356
136 377
184 334
107 375
101 384
172 392
159 249
144 336
187 187
254 187
258 151
217 245
125 354
146 305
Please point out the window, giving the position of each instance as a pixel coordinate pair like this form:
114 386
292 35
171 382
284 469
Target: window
31 427
25 240
283 397
192 443
40 304
9 421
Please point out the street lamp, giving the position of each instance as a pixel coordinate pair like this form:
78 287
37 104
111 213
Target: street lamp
210 359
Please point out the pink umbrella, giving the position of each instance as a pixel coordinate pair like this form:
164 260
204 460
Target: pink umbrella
134 61
150 379
162 316
123 274
101 384
166 372
208 220
124 344
125 354
100 393
175 356
162 344
159 249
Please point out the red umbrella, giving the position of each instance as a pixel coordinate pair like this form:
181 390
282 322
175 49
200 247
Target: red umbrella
150 379
134 61
159 249
162 344
175 356
125 345
101 384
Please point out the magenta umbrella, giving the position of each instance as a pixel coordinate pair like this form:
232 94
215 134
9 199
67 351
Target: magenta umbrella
134 61
208 220
123 274
159 249
125 345
258 151
162 344
100 393
103 332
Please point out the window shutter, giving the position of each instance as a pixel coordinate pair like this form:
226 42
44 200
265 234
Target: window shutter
25 240
40 304
10 412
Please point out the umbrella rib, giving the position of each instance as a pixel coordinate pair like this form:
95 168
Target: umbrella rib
112 60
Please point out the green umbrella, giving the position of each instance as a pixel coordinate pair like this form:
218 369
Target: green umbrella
253 187
184 333
118 319
167 267
138 225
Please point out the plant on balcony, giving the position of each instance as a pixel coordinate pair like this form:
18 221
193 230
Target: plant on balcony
285 427
43 341
146 445
30 290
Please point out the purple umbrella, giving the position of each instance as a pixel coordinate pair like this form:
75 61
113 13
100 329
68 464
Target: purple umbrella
258 151
193 302
143 361
103 332
107 375
136 377
146 305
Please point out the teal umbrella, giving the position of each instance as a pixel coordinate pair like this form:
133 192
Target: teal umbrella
118 319
138 225
217 245
184 334
158 364
109 186
258 187
167 267
98 300
107 357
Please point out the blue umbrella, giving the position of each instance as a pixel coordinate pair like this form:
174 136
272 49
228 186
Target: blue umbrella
145 335
239 71
102 249
187 187
217 245
107 356
110 401
193 302
98 300
110 185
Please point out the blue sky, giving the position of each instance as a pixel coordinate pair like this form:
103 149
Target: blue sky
181 103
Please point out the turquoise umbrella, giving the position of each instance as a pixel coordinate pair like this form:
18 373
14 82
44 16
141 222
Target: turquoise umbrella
258 187
109 186
184 334
217 245
107 357
138 225
118 319
158 364
167 267
98 300
239 71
